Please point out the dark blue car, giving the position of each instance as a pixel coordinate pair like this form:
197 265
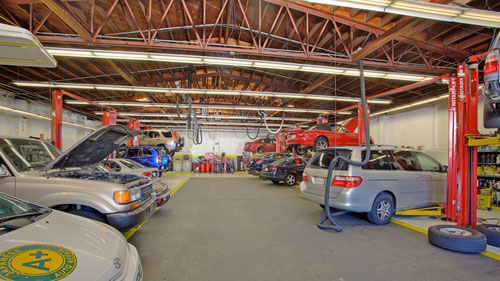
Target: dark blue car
287 170
267 158
148 156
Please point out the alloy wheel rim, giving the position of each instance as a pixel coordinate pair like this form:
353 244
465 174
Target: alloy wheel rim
321 144
456 231
384 210
290 180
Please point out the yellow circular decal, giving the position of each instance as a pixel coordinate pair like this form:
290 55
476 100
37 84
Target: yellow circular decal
37 262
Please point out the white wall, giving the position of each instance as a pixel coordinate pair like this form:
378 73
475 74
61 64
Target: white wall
425 126
18 125
231 143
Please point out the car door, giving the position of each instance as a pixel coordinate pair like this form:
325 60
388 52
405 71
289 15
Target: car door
7 179
411 181
435 179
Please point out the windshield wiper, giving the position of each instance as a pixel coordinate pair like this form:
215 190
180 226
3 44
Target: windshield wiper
24 215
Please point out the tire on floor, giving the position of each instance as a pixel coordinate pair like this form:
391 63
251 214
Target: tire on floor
457 239
492 232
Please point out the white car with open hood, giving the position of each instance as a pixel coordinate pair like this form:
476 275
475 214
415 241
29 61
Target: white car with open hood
38 243
36 171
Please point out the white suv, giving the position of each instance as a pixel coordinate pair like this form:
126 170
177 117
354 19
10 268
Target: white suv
169 139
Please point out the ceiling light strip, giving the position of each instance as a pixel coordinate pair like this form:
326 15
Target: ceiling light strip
421 9
174 115
214 123
192 91
442 97
209 106
192 59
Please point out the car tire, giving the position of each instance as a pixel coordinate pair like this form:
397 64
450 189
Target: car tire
382 209
300 150
492 232
290 179
320 143
457 239
275 181
261 150
93 215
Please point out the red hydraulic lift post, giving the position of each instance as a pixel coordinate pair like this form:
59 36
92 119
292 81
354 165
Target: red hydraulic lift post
135 140
56 114
109 117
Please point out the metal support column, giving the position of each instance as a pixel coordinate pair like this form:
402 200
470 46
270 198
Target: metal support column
56 114
109 118
135 140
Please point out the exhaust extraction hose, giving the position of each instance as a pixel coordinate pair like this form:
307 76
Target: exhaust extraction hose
328 215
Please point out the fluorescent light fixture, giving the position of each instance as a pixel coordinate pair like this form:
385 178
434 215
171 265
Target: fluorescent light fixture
445 96
209 123
104 87
421 9
208 106
22 112
174 115
105 54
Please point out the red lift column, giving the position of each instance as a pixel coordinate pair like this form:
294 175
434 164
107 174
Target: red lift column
135 140
109 118
56 114
451 195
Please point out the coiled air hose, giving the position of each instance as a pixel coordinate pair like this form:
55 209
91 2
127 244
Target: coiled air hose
258 130
328 214
263 115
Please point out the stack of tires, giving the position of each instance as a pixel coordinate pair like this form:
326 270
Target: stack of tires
463 239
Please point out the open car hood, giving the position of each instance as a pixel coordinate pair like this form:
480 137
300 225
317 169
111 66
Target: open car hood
94 147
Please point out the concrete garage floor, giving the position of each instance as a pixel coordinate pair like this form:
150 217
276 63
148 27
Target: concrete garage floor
243 228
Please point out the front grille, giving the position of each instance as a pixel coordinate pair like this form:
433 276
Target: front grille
146 192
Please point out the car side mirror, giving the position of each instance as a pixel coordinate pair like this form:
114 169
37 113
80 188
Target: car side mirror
444 169
3 171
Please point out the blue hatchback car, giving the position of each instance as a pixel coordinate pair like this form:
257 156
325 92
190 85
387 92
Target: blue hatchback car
155 157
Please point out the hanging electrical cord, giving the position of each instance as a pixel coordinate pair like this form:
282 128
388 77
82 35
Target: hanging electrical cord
263 116
258 129
328 215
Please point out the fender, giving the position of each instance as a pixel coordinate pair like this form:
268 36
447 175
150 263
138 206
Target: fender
64 198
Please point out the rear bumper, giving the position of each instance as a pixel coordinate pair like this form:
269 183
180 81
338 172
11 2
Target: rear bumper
344 201
124 221
300 141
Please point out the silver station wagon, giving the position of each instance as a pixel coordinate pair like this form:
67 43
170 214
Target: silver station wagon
394 179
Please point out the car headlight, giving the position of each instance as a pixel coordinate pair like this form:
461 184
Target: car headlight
128 196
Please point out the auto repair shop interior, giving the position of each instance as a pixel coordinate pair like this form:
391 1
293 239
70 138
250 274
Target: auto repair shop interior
249 140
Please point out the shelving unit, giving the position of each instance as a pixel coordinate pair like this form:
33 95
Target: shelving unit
488 172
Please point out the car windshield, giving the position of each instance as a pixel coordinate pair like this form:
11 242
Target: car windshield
11 207
27 154
281 161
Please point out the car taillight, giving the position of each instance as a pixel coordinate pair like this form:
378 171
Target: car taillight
274 168
175 138
146 174
491 63
158 160
346 181
260 161
305 177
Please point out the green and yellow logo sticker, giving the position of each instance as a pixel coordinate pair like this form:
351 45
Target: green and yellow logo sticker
37 262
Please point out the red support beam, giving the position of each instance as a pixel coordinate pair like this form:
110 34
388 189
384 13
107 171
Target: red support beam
57 98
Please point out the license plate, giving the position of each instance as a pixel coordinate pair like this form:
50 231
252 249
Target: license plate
319 180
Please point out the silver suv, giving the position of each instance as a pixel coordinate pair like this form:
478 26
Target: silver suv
169 139
36 171
393 179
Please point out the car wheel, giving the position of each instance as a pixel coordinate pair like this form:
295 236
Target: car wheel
492 232
300 150
320 143
382 209
93 215
290 179
275 181
261 150
457 239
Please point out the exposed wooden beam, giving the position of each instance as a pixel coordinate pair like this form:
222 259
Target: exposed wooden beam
392 33
74 24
